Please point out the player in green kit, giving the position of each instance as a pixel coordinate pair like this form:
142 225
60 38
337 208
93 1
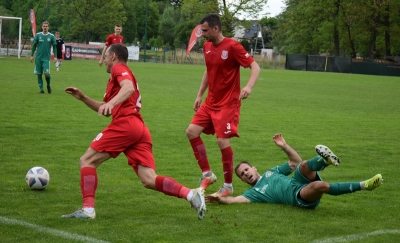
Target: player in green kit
304 189
43 42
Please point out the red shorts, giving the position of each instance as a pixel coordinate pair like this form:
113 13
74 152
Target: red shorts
224 122
129 135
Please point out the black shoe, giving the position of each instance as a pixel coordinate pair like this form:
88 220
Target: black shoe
41 92
48 90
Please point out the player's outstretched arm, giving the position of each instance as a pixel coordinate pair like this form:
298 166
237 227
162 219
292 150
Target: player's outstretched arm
79 95
214 198
293 156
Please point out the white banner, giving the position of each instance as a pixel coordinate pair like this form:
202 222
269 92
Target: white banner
133 52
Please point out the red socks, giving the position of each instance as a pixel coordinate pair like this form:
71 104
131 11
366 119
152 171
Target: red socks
170 187
88 186
200 153
227 164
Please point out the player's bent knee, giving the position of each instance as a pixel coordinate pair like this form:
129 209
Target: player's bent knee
148 184
321 186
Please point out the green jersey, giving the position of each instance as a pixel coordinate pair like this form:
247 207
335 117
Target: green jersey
44 43
274 186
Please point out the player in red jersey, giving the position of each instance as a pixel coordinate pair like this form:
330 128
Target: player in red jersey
221 110
126 133
115 38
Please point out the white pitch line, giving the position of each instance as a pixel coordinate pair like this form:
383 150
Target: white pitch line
51 231
349 238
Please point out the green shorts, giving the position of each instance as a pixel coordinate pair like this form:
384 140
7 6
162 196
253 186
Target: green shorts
42 66
300 179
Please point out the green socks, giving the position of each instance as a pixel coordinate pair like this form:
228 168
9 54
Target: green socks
47 81
40 82
317 163
343 188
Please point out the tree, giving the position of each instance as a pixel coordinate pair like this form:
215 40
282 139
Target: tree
153 18
167 26
231 11
94 18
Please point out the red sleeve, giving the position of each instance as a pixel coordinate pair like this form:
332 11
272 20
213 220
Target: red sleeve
109 40
242 56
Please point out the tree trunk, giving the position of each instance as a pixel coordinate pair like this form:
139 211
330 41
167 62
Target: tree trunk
351 41
335 28
386 23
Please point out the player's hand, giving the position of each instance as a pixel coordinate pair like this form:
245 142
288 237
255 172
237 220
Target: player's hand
31 59
63 52
244 93
197 103
105 109
279 140
212 198
100 62
75 92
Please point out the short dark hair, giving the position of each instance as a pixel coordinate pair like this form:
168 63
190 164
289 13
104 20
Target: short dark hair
118 25
212 20
120 51
243 162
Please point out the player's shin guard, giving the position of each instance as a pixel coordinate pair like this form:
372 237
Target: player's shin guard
47 80
200 153
227 164
316 164
343 188
40 82
88 186
170 187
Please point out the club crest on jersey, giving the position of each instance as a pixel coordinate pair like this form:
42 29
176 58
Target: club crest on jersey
268 174
224 54
48 39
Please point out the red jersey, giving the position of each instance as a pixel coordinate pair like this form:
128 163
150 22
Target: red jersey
132 105
223 63
113 39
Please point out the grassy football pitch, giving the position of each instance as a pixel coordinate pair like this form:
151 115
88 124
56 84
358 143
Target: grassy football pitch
357 116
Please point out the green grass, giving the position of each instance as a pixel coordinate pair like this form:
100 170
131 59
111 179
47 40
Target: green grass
356 116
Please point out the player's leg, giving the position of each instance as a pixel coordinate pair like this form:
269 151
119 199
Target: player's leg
88 181
39 71
315 190
140 157
227 166
201 122
46 71
325 158
226 124
171 187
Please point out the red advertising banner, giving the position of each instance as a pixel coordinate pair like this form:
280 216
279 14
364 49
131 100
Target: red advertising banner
33 22
194 37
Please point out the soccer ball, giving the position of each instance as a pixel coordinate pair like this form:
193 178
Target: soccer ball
37 178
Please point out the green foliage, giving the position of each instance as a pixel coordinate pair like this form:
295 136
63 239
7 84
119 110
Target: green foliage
184 29
129 29
167 26
355 115
231 10
93 19
346 27
152 21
